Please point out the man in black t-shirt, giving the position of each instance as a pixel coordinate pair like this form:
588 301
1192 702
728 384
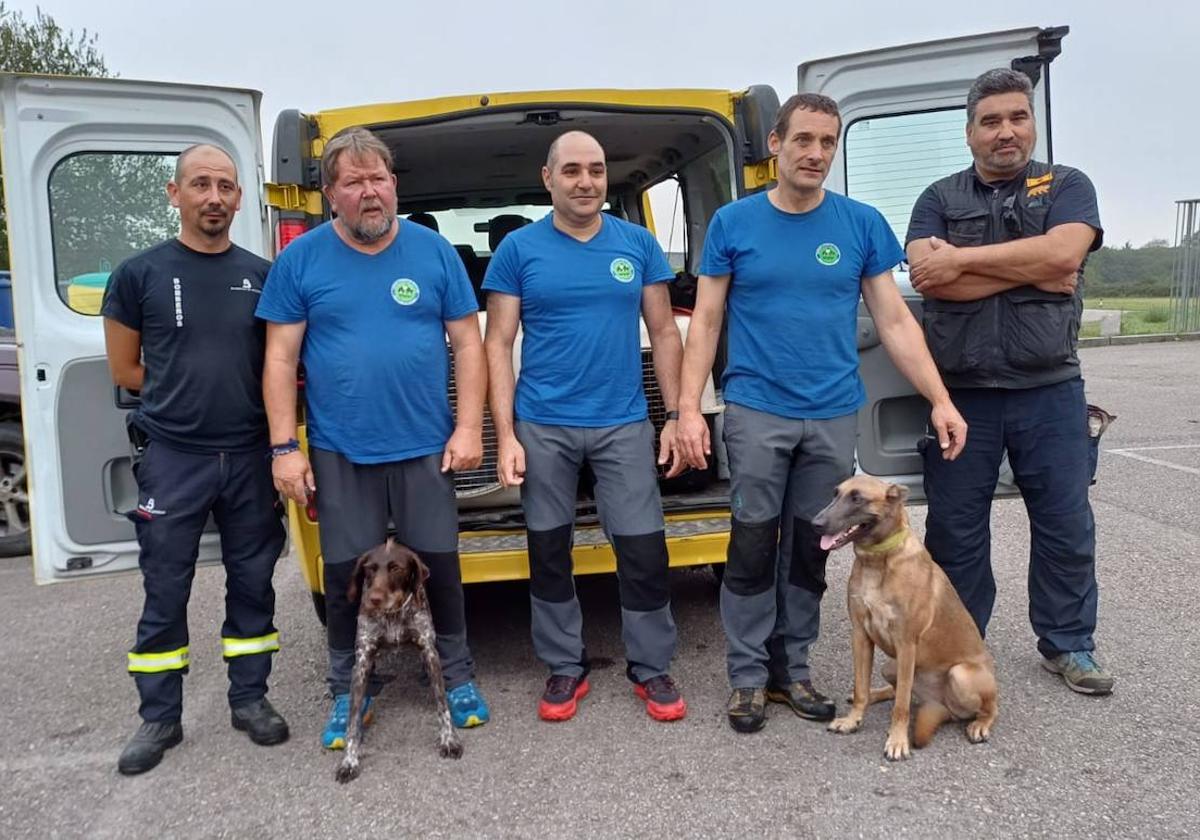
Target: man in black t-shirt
998 250
180 328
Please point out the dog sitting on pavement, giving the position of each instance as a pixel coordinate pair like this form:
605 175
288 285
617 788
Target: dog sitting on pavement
394 610
902 602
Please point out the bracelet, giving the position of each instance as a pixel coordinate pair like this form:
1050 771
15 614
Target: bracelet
672 415
292 445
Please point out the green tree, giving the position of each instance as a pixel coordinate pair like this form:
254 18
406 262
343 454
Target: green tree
42 46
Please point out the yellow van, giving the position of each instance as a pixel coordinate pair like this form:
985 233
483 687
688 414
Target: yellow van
91 150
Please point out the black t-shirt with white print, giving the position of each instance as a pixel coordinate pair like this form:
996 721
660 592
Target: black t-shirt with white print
201 344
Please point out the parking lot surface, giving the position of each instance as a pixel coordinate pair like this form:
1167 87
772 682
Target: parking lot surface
1058 764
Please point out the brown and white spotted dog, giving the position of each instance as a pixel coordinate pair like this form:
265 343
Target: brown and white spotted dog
394 610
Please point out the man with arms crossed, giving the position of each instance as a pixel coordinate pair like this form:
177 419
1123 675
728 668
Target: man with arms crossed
791 263
180 327
367 302
997 251
577 281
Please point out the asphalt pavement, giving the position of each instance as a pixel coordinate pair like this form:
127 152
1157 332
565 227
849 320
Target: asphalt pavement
1058 764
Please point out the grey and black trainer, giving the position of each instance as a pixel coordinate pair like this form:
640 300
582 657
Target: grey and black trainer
1080 671
145 749
803 699
261 722
747 709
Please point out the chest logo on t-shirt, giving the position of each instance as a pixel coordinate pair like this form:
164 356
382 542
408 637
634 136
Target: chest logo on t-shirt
406 292
621 269
829 254
246 286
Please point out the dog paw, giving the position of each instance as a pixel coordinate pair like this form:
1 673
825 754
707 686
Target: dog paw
978 732
845 725
896 748
450 748
347 771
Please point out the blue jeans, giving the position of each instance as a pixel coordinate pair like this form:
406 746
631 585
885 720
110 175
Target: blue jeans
1044 431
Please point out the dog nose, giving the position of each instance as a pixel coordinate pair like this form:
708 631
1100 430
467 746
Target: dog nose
374 599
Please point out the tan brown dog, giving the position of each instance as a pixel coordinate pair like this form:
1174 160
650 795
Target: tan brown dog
902 602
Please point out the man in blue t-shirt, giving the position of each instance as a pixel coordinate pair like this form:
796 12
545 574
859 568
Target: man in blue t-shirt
366 302
789 265
576 281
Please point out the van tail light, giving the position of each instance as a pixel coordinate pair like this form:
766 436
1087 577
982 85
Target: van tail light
286 231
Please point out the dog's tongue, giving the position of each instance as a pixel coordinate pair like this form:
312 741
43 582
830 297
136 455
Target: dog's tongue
827 542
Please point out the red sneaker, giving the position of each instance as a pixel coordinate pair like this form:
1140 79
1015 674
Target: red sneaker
663 701
561 698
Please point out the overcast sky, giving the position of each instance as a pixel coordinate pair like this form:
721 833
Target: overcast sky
1124 102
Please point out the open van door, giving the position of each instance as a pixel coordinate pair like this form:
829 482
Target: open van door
903 127
85 166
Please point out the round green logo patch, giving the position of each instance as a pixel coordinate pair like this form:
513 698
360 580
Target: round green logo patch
405 292
828 254
621 270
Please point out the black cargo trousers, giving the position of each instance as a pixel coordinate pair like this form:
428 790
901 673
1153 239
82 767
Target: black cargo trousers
177 491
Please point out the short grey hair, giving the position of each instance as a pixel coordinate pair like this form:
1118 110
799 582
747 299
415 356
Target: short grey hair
359 143
994 82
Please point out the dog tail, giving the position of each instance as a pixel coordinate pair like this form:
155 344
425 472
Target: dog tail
878 695
929 717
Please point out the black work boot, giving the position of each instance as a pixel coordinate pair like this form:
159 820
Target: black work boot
747 709
145 749
261 722
803 699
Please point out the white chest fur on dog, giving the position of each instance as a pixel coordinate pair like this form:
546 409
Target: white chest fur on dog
879 618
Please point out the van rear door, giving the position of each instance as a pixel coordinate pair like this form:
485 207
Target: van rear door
86 162
903 127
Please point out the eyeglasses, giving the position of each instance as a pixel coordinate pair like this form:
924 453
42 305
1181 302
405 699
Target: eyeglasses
1008 215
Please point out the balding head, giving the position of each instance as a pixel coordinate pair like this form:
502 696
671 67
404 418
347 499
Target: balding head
202 151
578 142
576 176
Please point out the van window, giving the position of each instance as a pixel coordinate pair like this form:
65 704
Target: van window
104 207
891 160
666 205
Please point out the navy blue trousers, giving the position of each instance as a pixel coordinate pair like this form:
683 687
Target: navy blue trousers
1044 431
177 491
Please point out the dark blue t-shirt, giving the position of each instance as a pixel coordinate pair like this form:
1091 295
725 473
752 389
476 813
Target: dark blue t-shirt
793 300
581 359
375 357
201 344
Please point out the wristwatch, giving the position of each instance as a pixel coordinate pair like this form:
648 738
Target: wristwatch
672 415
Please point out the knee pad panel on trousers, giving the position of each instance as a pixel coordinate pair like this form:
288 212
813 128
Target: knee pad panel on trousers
341 616
642 571
550 570
808 559
444 590
750 564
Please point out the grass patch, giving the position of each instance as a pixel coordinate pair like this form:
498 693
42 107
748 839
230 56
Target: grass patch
1140 315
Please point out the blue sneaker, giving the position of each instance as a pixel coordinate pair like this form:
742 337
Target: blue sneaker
334 736
1081 672
467 706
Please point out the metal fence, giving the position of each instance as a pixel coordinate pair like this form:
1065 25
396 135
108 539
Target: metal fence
1185 279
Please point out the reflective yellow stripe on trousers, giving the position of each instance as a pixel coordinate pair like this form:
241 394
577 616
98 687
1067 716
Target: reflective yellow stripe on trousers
155 663
243 647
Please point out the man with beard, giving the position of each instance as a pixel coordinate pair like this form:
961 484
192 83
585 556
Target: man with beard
998 252
180 327
792 263
578 280
366 301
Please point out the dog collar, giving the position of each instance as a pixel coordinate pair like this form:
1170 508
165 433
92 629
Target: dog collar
884 546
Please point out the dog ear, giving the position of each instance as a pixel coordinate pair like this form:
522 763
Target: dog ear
356 579
897 493
418 573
